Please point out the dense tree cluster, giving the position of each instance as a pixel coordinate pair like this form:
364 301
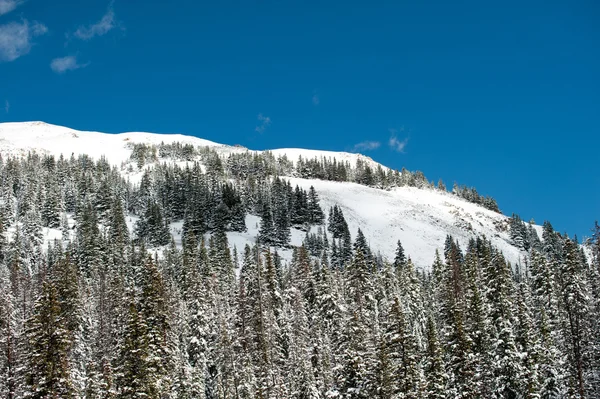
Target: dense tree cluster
96 314
249 164
523 235
470 194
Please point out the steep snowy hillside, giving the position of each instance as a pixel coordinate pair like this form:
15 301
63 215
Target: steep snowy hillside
420 218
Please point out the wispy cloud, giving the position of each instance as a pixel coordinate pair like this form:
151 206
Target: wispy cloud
16 38
102 27
395 143
315 99
366 146
64 64
6 106
265 122
7 6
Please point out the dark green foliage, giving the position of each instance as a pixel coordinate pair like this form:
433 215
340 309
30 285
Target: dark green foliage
93 316
48 341
152 227
134 379
400 258
315 213
267 234
470 194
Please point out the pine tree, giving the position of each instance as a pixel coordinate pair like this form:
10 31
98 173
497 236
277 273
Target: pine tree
65 276
435 376
89 240
507 370
48 343
477 325
529 345
356 379
458 347
575 301
238 218
266 234
360 244
133 375
594 314
403 354
315 213
549 364
51 207
400 258
9 338
152 227
282 229
153 309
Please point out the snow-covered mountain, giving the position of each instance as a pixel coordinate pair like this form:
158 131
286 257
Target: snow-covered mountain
420 218
22 137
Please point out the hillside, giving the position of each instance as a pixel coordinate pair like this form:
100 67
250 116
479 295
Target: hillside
420 218
117 268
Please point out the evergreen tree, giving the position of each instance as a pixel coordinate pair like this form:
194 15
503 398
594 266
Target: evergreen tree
315 213
506 366
403 353
575 301
152 227
267 234
9 338
48 343
400 258
435 376
133 373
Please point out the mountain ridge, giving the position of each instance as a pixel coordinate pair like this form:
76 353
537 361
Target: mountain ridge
46 131
420 218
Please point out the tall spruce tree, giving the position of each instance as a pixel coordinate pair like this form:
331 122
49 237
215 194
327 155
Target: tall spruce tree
48 344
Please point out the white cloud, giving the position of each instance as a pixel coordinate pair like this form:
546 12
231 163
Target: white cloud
265 123
315 99
64 64
396 144
102 27
6 106
15 39
366 146
7 6
38 29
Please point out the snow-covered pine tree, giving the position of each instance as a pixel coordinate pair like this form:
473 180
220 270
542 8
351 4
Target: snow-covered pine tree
48 345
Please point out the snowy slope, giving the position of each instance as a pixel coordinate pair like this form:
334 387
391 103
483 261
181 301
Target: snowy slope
420 218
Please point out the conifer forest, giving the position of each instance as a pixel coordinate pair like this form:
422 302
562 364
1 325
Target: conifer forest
118 307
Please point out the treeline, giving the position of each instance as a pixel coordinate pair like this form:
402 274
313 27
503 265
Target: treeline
241 165
470 194
42 191
203 322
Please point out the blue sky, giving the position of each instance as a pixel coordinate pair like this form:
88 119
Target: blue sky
502 96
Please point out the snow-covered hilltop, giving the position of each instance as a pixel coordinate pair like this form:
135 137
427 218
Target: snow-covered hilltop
22 137
420 218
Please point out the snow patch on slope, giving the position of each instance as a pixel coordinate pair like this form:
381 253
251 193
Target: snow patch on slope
419 218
